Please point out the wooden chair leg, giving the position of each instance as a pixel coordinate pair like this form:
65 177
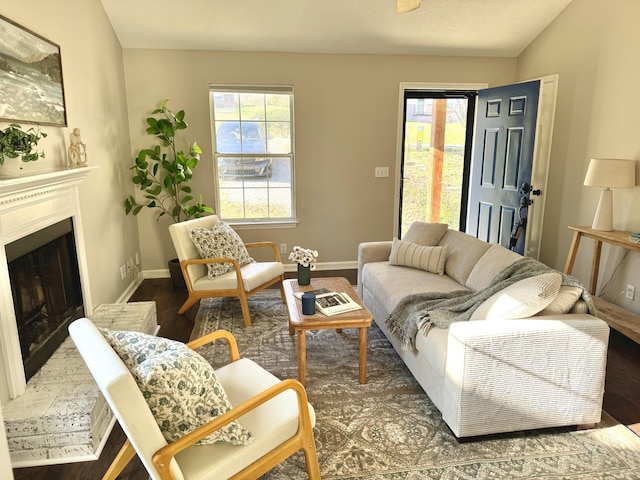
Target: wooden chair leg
245 310
281 285
124 456
191 301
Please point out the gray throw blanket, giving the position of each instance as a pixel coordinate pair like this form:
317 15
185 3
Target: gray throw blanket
421 311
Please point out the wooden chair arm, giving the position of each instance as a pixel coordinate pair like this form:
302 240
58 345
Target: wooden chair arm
162 458
212 337
273 246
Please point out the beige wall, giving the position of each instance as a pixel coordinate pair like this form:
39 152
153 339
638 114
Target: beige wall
592 45
346 111
96 103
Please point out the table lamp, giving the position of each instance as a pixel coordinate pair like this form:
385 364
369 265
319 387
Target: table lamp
608 173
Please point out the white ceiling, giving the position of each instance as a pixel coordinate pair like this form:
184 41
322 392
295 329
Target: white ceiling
438 27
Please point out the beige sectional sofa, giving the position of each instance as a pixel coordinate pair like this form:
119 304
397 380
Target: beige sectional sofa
493 375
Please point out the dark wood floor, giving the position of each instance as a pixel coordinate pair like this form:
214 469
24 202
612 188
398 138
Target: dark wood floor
622 395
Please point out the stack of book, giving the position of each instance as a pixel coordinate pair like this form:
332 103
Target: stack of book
634 238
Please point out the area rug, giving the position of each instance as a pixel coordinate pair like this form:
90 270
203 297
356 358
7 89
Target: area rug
388 428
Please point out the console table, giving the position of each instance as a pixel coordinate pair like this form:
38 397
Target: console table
622 320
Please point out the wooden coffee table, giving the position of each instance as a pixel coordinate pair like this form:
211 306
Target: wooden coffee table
299 323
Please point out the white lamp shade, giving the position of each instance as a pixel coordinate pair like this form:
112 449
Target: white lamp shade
610 173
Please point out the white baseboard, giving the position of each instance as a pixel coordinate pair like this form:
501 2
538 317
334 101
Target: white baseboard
288 267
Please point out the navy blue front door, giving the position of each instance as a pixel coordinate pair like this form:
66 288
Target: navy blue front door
502 160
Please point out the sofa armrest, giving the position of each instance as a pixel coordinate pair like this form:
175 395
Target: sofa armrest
510 375
371 252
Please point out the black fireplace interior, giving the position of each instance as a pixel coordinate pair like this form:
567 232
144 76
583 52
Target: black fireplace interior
46 288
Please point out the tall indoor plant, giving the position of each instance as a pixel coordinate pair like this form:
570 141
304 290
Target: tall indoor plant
16 143
163 173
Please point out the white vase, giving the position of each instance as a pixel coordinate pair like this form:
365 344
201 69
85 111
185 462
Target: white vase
10 168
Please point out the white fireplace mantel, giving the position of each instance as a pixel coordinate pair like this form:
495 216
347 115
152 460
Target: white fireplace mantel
27 204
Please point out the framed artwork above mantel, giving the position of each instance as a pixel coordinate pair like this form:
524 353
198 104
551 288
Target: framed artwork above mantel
31 86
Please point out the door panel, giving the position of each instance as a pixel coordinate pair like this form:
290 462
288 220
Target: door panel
502 162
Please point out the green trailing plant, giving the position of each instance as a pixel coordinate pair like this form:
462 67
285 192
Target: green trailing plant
18 143
163 173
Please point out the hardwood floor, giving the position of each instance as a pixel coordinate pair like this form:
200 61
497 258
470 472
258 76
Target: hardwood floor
622 390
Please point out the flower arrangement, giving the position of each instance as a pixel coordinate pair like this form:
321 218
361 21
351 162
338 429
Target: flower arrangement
304 256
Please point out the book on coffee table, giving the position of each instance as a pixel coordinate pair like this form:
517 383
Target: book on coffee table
317 291
334 303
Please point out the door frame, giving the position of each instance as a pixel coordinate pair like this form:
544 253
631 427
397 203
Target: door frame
541 159
404 86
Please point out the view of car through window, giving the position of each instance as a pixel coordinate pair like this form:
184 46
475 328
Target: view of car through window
245 137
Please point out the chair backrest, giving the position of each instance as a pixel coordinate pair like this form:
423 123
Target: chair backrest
122 393
185 248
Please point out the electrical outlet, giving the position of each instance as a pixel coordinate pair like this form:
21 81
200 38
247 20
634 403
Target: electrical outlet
382 172
123 272
283 248
631 292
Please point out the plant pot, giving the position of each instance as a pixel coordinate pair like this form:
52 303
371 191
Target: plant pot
304 275
10 168
177 280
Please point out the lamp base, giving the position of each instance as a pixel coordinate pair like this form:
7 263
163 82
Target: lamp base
603 221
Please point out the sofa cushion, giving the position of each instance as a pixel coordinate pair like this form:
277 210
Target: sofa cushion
565 300
389 284
408 254
180 387
427 234
522 299
494 260
463 253
220 241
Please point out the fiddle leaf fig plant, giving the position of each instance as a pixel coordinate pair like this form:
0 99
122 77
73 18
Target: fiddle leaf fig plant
18 143
163 172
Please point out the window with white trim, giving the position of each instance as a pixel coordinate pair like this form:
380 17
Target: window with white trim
253 141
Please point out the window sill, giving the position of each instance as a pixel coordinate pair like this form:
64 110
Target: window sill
262 225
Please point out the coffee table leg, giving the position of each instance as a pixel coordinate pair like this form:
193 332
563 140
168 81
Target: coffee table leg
363 354
302 357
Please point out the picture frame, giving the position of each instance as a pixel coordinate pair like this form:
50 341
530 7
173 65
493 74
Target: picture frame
31 83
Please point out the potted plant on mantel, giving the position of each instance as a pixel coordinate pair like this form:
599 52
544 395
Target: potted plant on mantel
163 176
17 143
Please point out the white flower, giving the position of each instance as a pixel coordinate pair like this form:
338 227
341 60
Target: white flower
303 256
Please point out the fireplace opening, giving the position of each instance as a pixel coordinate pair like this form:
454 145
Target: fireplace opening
46 289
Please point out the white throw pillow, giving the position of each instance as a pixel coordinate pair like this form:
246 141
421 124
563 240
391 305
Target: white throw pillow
407 254
522 299
220 241
180 387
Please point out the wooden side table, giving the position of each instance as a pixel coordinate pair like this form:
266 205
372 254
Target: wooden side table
615 237
624 321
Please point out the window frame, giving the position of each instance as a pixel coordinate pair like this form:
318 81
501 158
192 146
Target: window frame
278 222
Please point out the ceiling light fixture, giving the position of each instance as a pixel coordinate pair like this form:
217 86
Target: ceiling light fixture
405 6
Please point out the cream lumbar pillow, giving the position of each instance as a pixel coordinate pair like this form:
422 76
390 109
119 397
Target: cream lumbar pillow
408 254
180 386
522 299
220 241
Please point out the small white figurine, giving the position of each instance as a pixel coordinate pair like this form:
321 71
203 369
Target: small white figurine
77 150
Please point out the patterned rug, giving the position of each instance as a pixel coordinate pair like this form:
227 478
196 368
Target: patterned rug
388 428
